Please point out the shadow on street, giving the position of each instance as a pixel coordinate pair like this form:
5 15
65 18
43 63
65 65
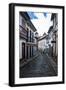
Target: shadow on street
38 67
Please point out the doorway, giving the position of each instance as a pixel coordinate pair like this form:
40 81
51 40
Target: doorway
23 50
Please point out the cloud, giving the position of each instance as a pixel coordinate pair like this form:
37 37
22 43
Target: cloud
32 15
41 21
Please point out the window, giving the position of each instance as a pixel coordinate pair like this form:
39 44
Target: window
27 34
30 35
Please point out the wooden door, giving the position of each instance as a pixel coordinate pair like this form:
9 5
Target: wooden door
23 50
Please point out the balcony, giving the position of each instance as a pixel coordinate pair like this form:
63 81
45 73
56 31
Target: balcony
23 33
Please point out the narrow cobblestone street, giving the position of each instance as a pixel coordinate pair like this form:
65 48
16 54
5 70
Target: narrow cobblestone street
39 67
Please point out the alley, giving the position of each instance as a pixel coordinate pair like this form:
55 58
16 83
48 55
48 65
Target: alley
39 67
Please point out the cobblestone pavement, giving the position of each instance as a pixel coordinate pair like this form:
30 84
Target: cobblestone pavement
39 67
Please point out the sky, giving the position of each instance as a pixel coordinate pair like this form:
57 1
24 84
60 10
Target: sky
41 21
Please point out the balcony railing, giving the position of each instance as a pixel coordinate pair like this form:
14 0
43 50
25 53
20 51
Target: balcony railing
22 35
23 32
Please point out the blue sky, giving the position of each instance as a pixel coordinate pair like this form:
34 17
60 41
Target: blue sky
42 21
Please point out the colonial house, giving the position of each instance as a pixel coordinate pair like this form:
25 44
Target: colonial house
28 41
42 43
54 19
50 39
53 36
36 38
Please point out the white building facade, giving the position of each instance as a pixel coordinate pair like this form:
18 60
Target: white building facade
27 42
42 43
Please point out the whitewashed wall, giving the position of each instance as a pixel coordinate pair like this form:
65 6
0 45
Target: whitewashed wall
20 48
42 44
50 38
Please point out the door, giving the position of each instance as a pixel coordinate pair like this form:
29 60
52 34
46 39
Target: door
27 52
30 51
23 50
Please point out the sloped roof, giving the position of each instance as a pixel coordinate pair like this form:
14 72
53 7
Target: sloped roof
27 18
